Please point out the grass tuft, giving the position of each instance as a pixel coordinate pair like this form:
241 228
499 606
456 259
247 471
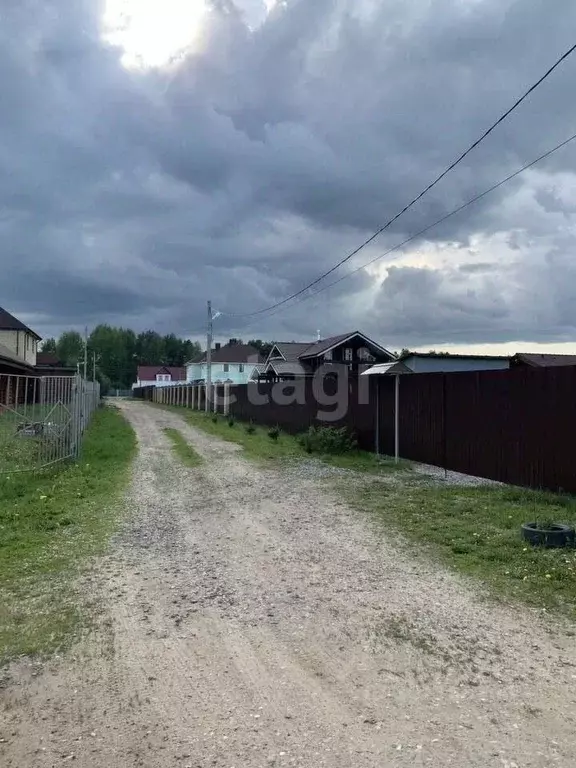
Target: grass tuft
50 524
182 448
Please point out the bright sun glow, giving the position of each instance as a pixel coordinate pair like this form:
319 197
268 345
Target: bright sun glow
153 33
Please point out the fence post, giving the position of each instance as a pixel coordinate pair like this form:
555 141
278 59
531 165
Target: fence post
226 399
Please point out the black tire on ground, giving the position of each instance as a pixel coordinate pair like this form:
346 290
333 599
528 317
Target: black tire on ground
558 535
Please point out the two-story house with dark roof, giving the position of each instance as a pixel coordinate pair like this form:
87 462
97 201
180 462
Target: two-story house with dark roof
352 351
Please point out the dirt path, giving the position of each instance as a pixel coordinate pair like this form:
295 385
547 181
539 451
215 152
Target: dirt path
252 620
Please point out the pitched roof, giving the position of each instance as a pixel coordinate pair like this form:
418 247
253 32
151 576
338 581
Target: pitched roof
324 344
148 372
232 353
292 350
450 355
288 368
544 361
10 323
48 358
319 347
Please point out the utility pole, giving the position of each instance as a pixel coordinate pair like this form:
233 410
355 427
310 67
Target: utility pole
209 358
85 353
93 366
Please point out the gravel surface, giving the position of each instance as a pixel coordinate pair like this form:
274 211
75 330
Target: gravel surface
252 619
443 477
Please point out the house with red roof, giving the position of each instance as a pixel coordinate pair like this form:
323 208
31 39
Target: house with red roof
158 376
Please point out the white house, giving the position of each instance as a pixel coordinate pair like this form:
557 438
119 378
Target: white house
232 363
158 376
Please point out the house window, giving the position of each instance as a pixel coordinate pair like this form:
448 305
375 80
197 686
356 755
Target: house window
348 354
365 354
328 355
226 367
241 368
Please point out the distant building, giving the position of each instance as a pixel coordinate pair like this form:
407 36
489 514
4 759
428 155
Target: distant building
432 362
352 351
533 360
49 364
158 376
231 363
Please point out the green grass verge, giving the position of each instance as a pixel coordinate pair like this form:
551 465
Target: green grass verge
477 532
50 524
259 447
182 448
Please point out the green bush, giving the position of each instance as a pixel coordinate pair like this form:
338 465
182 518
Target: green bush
328 440
231 421
215 419
274 433
250 428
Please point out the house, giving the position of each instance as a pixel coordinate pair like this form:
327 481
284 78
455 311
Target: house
541 361
351 351
49 364
231 363
434 362
158 375
11 364
18 339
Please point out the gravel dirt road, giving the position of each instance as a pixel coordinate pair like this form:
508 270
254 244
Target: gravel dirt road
250 618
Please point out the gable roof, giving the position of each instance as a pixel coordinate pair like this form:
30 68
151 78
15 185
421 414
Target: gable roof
544 361
48 358
288 368
10 323
232 353
290 350
325 345
148 372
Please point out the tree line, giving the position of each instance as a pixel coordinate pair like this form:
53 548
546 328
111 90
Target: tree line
119 351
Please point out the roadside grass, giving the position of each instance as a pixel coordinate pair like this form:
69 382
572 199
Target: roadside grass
259 447
476 530
182 448
50 524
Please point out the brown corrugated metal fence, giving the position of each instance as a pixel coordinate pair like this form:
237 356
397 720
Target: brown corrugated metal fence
517 426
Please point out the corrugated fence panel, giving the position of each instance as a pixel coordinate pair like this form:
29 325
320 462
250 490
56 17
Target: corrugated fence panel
517 426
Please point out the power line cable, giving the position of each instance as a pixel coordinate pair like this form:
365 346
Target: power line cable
436 223
417 198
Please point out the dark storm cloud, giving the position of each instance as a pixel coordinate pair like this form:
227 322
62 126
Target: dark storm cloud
134 196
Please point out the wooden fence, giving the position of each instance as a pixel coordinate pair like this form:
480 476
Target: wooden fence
516 426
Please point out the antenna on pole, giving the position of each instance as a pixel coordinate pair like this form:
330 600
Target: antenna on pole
318 336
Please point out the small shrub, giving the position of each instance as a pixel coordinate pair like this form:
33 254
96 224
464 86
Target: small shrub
215 419
250 428
231 421
274 433
327 440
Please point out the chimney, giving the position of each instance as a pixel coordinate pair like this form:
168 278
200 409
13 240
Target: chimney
319 337
231 342
217 346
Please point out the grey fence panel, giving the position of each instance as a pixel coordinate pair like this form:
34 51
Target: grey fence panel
42 419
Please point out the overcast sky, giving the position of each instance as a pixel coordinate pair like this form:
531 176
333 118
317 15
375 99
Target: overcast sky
158 153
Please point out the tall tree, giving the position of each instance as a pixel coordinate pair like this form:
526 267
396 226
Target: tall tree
70 348
49 345
264 347
150 348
